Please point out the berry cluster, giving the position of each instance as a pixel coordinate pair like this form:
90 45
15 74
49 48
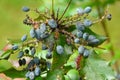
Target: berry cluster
48 30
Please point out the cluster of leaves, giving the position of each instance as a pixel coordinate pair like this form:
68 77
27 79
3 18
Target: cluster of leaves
60 48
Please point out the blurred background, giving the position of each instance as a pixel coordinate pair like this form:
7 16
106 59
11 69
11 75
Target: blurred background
11 17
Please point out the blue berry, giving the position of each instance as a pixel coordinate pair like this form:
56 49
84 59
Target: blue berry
43 27
44 47
32 33
76 40
25 9
85 36
87 9
33 51
81 49
94 41
20 55
48 65
79 34
31 75
80 11
38 33
49 55
52 23
44 35
36 60
109 17
91 37
37 71
87 23
80 26
23 61
14 47
30 65
24 37
60 49
27 74
86 53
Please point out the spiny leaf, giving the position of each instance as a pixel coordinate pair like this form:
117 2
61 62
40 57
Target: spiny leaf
73 74
14 73
97 68
6 54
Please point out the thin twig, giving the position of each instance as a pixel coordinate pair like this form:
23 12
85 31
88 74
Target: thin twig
57 14
53 13
67 33
65 10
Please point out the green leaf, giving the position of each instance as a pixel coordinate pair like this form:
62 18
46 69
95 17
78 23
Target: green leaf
59 60
38 78
13 73
72 75
101 38
56 74
71 61
6 54
97 68
4 65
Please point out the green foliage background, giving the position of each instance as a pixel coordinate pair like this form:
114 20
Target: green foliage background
11 17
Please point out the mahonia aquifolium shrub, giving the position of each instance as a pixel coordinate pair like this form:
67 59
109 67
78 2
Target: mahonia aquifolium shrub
52 31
